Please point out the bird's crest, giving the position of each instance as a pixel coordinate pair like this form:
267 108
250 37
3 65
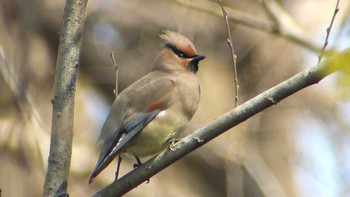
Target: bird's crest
179 41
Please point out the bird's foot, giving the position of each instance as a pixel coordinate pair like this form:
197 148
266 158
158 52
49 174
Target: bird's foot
138 164
173 142
118 166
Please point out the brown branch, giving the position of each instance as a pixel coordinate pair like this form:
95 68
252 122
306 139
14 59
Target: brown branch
235 15
116 90
232 118
63 100
342 29
329 29
233 55
253 22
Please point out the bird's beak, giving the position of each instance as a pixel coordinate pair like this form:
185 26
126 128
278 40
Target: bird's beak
198 58
193 65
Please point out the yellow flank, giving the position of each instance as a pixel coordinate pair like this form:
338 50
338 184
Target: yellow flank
155 136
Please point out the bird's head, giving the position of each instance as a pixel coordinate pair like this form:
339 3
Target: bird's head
179 54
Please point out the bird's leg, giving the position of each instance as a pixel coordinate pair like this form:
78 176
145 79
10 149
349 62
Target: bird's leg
118 166
138 164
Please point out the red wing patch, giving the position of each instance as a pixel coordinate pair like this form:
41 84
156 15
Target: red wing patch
155 106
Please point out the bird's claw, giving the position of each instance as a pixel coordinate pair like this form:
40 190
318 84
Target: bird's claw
136 165
173 142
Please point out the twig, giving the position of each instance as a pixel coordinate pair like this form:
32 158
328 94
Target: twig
235 15
252 22
325 44
342 29
232 118
233 55
116 90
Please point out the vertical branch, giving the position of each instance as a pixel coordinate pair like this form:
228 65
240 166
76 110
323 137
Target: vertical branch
116 74
325 44
63 100
233 55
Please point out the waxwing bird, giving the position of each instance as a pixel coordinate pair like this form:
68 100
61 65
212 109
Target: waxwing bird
154 109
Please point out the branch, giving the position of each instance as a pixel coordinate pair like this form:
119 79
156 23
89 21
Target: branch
63 100
254 22
116 90
329 29
235 15
233 55
227 121
343 24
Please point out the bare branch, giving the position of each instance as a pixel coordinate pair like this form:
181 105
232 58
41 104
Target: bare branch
116 74
253 22
233 55
235 15
63 100
342 28
232 118
329 29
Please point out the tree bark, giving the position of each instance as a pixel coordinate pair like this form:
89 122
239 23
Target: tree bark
63 100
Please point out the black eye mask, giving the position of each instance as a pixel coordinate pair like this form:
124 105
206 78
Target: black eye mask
177 51
193 64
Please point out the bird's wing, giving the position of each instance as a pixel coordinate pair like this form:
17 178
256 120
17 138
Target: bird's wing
137 106
132 128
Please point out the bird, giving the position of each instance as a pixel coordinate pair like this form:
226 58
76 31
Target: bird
150 113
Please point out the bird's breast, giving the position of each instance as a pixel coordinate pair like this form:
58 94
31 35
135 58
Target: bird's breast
154 137
170 122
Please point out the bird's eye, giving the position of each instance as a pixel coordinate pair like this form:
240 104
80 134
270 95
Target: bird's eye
180 54
177 51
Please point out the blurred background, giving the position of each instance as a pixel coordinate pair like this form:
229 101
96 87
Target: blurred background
298 148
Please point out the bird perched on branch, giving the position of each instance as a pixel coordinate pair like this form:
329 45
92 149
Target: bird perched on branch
156 108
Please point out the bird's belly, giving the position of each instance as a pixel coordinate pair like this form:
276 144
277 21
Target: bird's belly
155 136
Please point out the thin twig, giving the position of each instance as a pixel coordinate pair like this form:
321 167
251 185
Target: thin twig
342 25
253 22
325 44
235 15
233 55
116 74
